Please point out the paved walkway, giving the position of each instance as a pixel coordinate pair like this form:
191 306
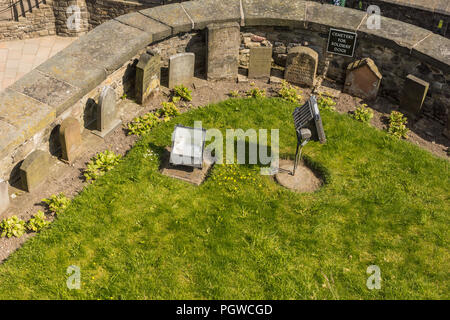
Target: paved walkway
19 57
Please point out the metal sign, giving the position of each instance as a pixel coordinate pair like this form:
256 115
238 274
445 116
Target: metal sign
341 42
188 145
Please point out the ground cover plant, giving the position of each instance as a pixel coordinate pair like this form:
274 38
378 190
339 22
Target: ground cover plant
136 234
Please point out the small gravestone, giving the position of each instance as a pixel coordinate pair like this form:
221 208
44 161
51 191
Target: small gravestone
107 119
181 69
363 79
148 75
301 66
70 139
224 41
260 62
4 196
414 93
34 170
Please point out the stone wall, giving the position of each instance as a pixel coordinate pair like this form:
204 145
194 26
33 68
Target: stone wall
67 83
40 22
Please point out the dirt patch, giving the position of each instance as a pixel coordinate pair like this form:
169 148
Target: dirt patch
304 179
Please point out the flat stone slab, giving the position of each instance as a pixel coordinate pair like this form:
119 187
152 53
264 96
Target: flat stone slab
325 16
189 174
142 22
172 15
212 11
304 180
274 12
434 49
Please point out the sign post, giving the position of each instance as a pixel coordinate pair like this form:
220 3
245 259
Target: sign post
341 42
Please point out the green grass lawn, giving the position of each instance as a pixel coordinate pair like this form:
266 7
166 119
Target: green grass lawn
137 234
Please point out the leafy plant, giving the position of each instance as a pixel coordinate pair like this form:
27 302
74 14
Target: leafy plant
256 93
100 164
363 114
142 125
168 110
176 99
12 227
289 92
326 103
124 96
38 222
397 125
182 92
57 203
234 93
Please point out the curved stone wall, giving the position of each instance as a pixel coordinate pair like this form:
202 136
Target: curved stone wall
32 107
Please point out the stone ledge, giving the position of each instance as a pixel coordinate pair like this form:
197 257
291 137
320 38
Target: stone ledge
172 15
212 11
142 22
274 13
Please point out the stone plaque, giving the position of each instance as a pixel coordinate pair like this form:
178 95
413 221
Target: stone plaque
4 196
34 170
341 42
224 41
260 62
363 79
181 69
70 139
148 75
107 119
301 66
414 93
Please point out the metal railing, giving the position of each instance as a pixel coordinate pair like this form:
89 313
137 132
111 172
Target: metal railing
19 9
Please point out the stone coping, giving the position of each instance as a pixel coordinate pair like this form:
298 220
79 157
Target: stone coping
34 102
438 6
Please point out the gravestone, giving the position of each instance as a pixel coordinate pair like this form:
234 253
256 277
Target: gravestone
148 75
224 41
260 62
414 93
363 79
301 66
107 119
70 139
4 196
34 170
181 69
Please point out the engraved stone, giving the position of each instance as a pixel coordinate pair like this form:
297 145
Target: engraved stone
260 62
301 66
148 75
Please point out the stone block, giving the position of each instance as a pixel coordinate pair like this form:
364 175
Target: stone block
70 139
107 119
4 196
206 12
301 66
181 69
223 51
363 79
172 15
274 13
413 95
148 76
142 22
260 62
34 170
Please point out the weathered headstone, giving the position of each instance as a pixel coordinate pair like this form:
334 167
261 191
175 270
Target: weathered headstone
70 139
34 170
181 69
4 196
414 93
148 75
107 119
260 62
224 41
301 66
363 79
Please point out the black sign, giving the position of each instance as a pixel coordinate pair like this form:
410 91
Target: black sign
341 42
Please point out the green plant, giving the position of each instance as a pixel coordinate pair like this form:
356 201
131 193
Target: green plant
168 110
142 125
234 93
57 203
256 93
397 125
289 92
124 96
182 92
363 114
176 99
100 164
326 103
38 222
12 226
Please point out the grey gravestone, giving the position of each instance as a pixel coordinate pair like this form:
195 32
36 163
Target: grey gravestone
260 62
148 75
34 170
4 196
181 69
70 139
107 119
301 66
224 41
414 93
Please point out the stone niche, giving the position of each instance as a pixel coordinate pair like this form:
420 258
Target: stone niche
363 79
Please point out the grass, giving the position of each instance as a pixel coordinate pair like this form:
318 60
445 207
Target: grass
136 234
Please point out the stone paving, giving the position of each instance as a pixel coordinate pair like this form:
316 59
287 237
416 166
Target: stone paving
19 57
